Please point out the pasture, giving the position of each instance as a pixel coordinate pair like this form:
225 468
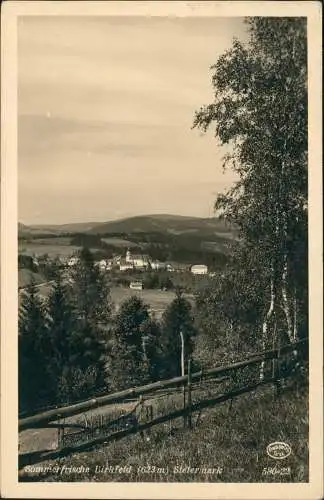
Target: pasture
51 249
25 276
157 300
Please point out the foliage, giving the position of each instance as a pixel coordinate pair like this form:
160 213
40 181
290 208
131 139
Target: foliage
76 384
176 319
126 366
61 324
90 297
260 110
34 380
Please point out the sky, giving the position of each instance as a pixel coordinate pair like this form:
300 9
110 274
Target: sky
105 110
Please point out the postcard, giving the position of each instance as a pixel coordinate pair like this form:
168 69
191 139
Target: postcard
161 250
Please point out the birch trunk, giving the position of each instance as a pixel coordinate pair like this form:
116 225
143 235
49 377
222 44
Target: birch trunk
286 305
265 325
295 332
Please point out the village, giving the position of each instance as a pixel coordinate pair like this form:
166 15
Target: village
143 262
131 270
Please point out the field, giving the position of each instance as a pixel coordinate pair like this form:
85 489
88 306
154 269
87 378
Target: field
228 445
51 249
156 299
25 276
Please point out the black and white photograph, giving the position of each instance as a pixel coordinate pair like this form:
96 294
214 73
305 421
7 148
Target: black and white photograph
162 248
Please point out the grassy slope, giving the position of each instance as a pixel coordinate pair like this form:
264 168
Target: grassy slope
25 276
234 439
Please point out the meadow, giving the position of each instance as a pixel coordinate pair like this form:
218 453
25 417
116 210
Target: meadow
52 249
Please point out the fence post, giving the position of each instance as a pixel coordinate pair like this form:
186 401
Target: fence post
189 393
60 433
183 374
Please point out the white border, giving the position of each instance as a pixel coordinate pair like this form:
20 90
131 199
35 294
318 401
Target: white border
9 304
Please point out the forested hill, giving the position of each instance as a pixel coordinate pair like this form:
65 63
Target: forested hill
171 224
167 224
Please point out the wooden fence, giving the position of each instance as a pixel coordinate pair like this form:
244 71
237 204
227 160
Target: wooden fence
116 426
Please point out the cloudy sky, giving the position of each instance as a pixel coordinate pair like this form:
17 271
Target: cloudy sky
105 112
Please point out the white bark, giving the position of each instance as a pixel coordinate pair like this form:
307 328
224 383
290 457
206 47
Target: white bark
265 325
295 331
286 305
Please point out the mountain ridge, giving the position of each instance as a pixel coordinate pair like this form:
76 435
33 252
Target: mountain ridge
165 223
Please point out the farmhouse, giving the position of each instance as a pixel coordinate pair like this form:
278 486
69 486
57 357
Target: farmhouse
124 265
73 261
102 264
136 285
137 261
156 265
199 269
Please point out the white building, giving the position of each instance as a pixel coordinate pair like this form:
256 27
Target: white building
136 285
102 264
125 266
199 269
73 261
137 261
156 265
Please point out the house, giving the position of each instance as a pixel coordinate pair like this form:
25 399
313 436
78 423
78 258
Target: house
124 265
199 269
35 261
138 261
136 285
156 265
102 264
110 263
73 261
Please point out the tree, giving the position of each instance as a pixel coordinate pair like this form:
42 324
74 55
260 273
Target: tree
152 348
34 381
90 297
176 319
128 365
61 323
260 110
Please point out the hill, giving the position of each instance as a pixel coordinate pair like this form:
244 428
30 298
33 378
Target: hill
73 227
169 224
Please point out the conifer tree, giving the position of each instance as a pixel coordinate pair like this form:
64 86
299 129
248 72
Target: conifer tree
34 381
90 296
61 323
177 319
129 365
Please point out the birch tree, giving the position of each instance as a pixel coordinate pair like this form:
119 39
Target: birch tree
259 111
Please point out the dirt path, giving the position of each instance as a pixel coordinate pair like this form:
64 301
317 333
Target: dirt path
36 440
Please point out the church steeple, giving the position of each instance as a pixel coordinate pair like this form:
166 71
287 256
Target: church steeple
128 256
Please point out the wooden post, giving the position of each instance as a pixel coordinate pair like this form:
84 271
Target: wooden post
189 393
182 354
60 432
183 374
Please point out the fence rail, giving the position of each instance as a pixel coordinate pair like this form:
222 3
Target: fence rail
42 419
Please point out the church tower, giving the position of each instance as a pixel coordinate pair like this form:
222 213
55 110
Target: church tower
128 256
